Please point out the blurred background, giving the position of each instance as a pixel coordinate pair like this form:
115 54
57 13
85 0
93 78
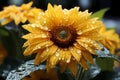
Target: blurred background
111 17
111 20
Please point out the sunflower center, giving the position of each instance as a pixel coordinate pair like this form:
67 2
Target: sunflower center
63 36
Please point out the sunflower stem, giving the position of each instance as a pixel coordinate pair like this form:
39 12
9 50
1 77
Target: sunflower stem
80 73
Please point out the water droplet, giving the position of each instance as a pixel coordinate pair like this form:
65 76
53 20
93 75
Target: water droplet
78 51
62 58
44 21
47 44
33 25
43 36
59 58
39 47
86 45
47 49
57 54
68 61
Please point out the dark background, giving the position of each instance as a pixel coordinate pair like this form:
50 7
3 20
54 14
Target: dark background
94 5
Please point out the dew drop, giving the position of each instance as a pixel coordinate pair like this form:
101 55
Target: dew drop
68 61
47 49
59 58
62 58
33 25
43 36
79 32
57 54
44 21
78 51
39 47
47 44
46 28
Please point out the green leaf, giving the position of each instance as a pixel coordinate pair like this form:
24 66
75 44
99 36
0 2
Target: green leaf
106 64
105 59
104 53
4 32
99 13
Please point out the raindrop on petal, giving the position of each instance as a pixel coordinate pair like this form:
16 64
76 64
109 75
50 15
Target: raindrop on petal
57 54
78 51
68 61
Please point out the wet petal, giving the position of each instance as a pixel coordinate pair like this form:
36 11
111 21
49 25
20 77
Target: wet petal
83 63
33 48
30 35
73 66
76 53
63 66
88 57
86 46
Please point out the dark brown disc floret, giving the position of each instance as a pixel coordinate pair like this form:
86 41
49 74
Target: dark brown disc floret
63 36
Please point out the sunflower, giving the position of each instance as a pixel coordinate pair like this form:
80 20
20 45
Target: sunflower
19 13
3 53
110 39
64 37
42 75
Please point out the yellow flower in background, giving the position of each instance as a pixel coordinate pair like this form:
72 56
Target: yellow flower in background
64 37
42 75
3 53
110 39
19 13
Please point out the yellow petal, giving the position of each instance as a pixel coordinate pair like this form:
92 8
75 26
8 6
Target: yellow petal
90 42
88 56
30 35
61 54
67 57
83 63
6 21
46 53
86 46
17 19
73 66
63 66
34 41
26 6
33 48
76 53
53 61
37 58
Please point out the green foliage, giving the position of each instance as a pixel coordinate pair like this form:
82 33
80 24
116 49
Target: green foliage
99 13
106 64
3 32
105 60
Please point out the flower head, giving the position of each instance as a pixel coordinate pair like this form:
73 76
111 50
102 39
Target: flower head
110 39
42 75
19 13
67 37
